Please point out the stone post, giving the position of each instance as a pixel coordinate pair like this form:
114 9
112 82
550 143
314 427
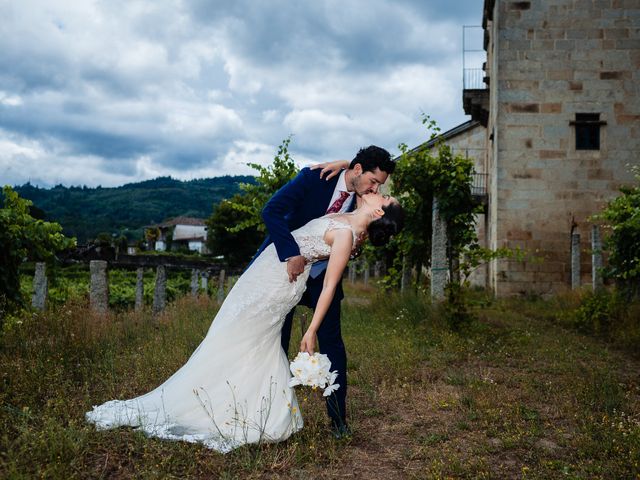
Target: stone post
439 264
194 282
99 289
160 291
231 281
40 286
376 270
139 288
575 261
204 283
365 276
221 286
352 272
596 258
405 279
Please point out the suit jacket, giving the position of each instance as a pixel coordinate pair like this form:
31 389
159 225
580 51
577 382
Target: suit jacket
301 200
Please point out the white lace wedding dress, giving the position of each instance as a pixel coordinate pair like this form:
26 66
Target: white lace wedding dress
234 389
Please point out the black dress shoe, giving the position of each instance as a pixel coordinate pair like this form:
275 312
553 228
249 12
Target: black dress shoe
341 431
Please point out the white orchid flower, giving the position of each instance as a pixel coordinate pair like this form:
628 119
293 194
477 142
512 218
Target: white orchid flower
313 371
330 389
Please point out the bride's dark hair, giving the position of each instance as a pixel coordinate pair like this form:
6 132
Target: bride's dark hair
385 227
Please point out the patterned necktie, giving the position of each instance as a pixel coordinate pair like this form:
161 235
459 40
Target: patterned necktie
337 205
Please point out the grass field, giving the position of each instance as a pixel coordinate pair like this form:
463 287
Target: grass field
514 394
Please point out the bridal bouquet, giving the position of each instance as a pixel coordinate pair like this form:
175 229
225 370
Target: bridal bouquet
313 371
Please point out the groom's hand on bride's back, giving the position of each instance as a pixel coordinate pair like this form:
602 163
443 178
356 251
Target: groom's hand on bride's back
295 266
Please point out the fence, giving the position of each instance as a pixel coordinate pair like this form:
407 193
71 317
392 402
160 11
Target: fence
200 278
99 281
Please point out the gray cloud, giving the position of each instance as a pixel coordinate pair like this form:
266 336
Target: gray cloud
354 34
126 90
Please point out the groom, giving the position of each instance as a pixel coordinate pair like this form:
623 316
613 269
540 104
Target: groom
304 198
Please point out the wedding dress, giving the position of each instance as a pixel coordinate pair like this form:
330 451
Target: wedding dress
234 389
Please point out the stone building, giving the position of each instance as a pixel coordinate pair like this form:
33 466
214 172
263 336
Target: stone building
561 109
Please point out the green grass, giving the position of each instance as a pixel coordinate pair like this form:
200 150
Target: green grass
517 393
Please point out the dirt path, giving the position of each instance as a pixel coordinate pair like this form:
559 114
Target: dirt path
500 411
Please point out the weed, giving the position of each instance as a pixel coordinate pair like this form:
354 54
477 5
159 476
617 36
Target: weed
488 400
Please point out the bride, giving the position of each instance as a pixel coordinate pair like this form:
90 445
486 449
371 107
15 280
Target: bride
234 389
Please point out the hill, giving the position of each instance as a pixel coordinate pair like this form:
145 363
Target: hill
85 212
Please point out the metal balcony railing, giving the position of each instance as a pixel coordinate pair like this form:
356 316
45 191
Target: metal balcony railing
473 57
479 185
473 79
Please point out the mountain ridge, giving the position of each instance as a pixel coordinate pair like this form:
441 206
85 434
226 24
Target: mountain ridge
84 212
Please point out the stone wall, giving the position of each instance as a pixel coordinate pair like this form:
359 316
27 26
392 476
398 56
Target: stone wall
546 62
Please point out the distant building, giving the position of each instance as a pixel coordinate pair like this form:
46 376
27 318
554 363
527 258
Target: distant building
188 232
558 103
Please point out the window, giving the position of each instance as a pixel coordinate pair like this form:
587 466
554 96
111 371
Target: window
587 131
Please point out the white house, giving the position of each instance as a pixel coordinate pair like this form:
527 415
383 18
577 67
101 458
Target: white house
187 231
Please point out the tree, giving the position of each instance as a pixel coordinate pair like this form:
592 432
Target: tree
623 243
269 180
122 244
23 237
103 239
236 227
151 235
237 247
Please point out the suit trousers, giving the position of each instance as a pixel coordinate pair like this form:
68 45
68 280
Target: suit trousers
331 344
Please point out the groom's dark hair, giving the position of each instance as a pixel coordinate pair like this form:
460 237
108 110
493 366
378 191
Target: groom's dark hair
374 157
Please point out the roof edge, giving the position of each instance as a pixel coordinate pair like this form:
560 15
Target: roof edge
454 132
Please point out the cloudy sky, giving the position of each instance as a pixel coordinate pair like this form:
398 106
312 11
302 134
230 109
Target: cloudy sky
106 92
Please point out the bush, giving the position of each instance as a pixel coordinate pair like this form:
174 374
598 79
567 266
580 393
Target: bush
623 244
23 236
594 315
609 315
456 308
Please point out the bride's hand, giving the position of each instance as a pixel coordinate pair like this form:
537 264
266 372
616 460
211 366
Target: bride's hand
308 343
331 169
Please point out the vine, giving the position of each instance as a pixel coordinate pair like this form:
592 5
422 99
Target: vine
622 216
420 175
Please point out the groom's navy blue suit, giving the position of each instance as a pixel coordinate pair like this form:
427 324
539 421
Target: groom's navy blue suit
301 200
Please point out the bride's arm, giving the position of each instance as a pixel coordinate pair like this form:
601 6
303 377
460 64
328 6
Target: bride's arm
341 245
331 169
